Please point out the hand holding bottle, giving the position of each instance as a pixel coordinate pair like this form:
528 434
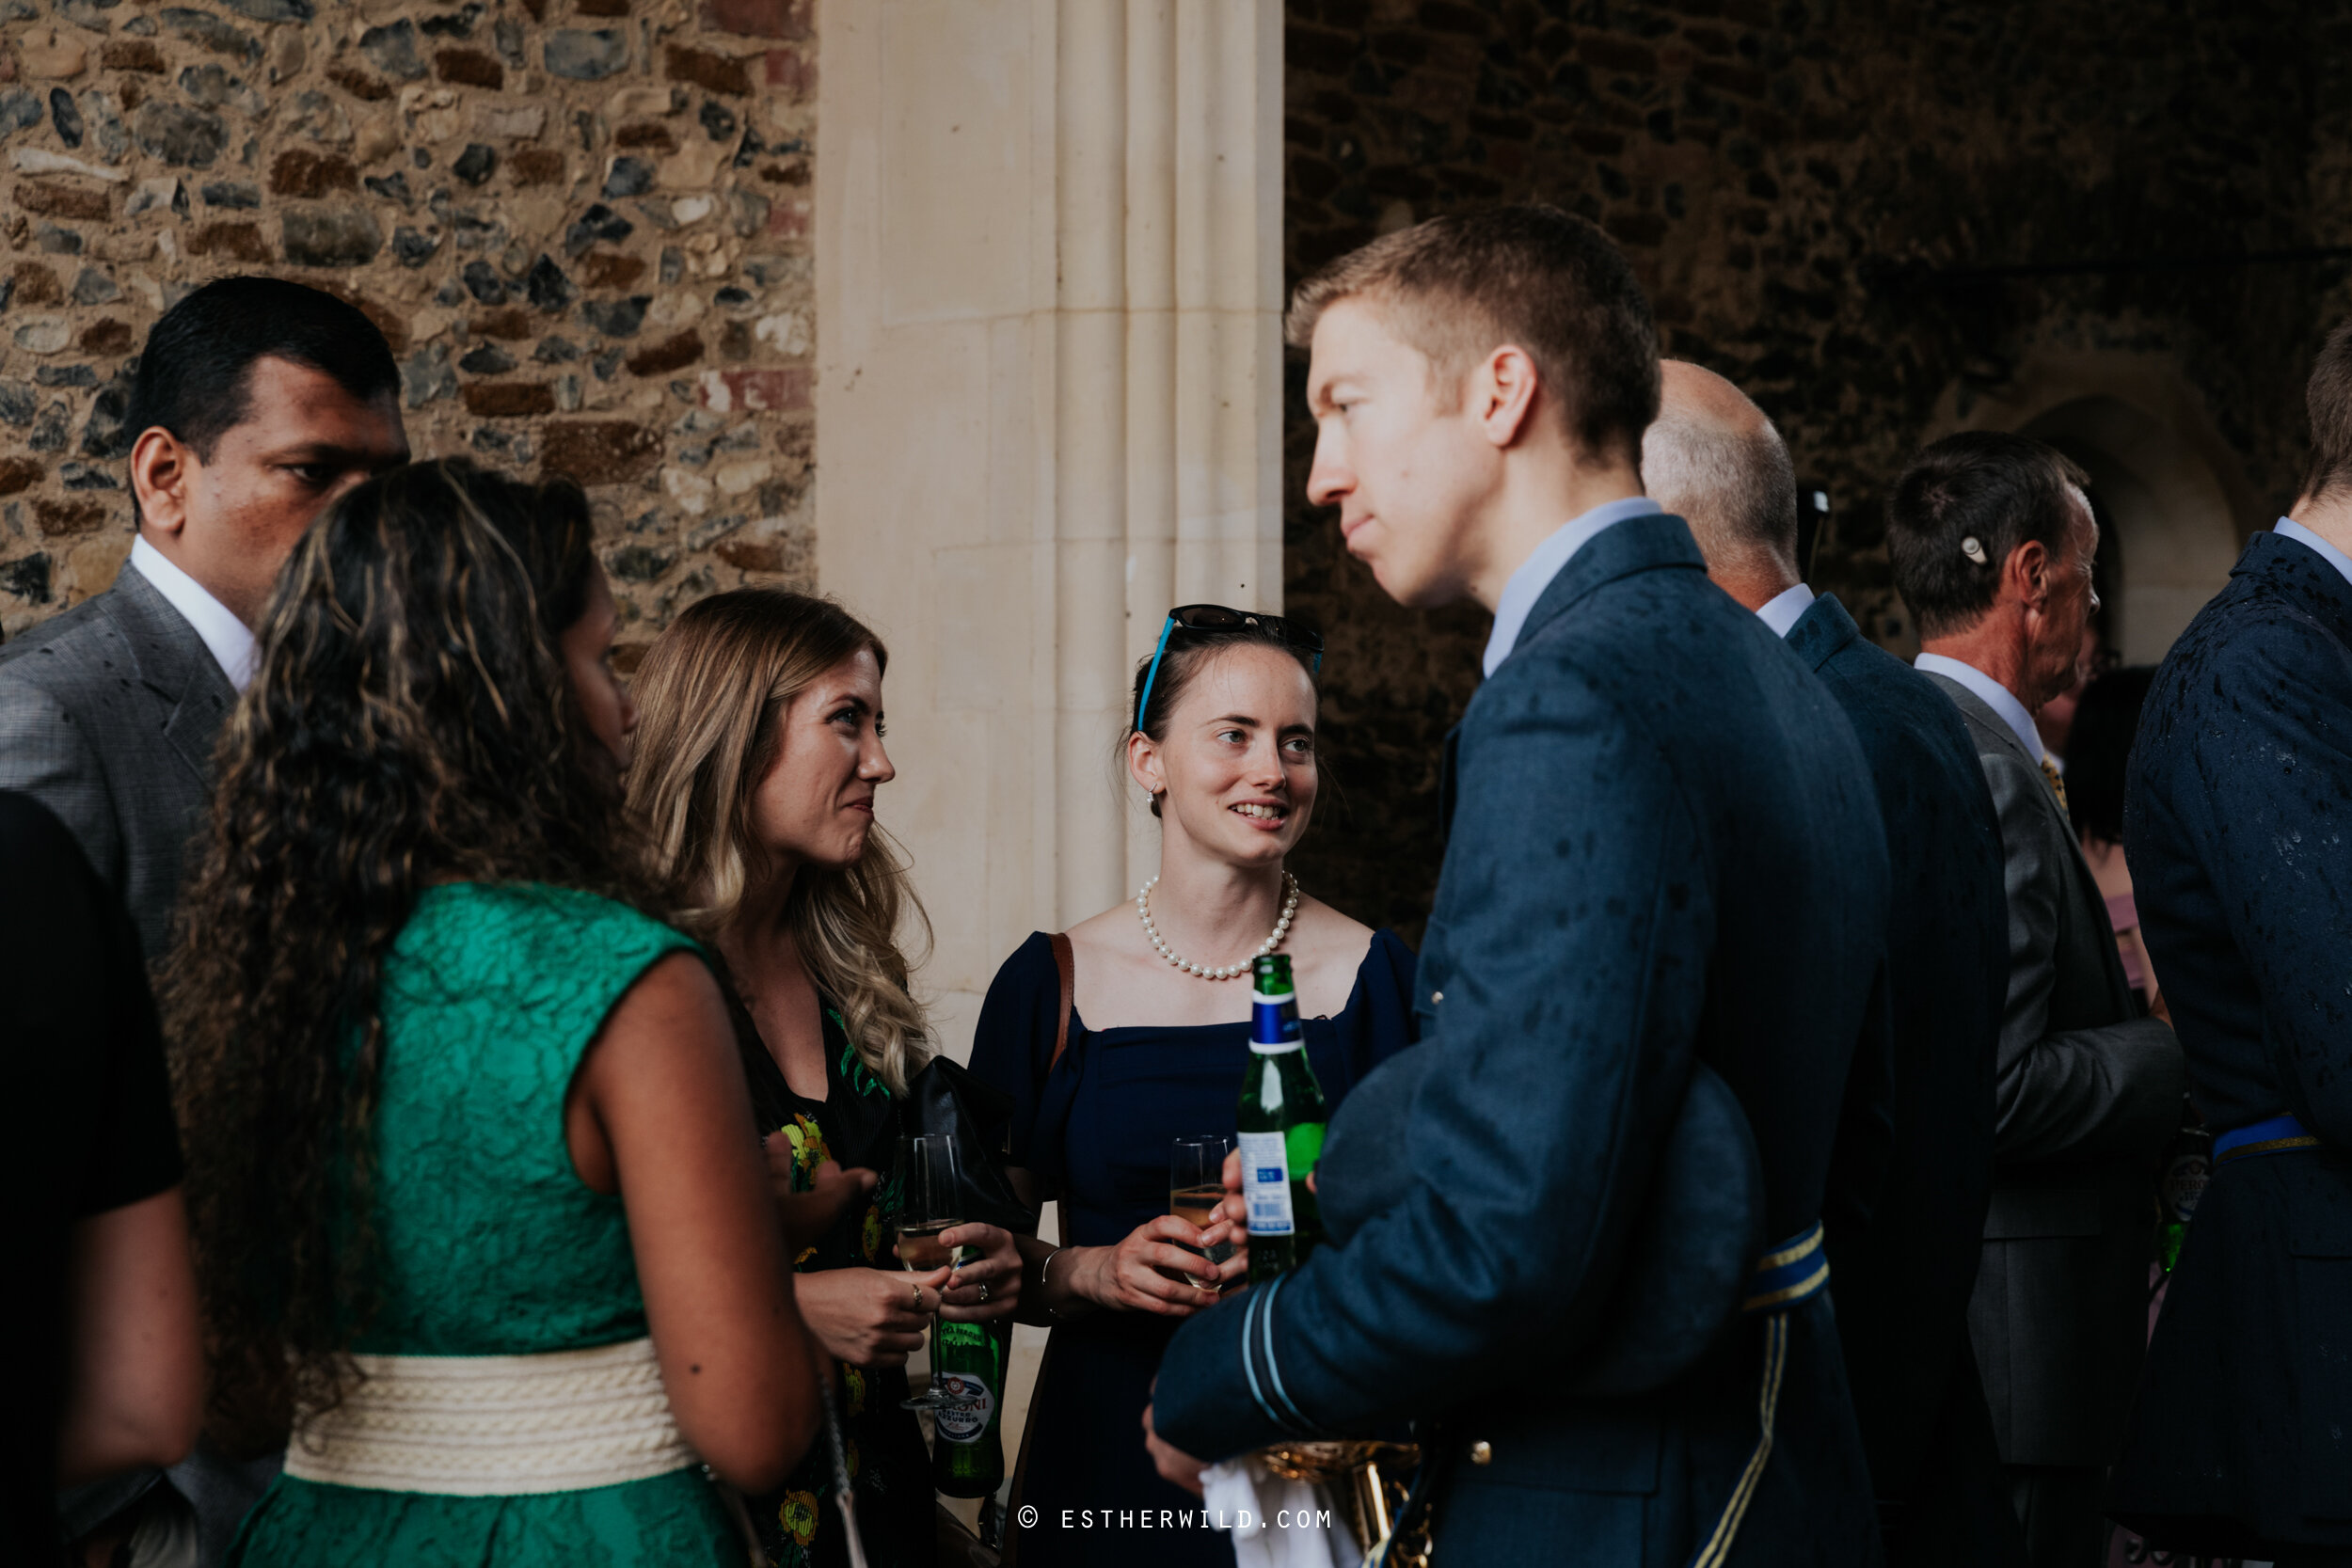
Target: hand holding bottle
986 1285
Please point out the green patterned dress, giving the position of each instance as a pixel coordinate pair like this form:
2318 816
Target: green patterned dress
490 1243
857 1123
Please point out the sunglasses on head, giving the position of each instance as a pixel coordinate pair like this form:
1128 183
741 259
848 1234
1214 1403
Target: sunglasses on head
1209 619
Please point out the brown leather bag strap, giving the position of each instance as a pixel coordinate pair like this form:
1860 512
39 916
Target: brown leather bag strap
1065 961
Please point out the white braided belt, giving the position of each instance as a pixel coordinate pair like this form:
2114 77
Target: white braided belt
478 1426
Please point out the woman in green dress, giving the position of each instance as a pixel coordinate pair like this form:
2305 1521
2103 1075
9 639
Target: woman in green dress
470 1216
758 768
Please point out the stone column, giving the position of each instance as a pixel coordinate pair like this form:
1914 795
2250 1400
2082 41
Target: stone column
1048 286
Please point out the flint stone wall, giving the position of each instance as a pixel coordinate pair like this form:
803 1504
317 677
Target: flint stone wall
582 225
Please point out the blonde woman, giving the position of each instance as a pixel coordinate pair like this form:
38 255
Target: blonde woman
760 756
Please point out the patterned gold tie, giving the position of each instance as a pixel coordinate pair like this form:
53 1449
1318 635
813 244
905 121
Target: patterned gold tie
2058 782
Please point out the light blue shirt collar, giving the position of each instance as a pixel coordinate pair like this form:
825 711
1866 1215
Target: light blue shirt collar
1999 698
2287 528
1535 573
1783 611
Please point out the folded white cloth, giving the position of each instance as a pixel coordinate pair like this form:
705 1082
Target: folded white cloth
1276 1521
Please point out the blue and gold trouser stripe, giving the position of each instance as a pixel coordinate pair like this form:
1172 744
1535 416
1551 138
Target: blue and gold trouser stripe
1786 1276
2273 1135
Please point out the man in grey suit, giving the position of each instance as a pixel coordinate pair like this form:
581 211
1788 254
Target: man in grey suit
255 403
1993 539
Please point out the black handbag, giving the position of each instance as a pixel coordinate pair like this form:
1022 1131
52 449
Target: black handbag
945 1098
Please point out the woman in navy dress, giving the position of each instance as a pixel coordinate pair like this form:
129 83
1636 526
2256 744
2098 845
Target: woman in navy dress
1157 1040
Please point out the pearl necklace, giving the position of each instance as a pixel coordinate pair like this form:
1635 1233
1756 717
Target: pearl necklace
1281 929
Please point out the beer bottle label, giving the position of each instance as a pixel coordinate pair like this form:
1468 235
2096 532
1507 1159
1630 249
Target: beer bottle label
965 1424
1265 1183
2183 1182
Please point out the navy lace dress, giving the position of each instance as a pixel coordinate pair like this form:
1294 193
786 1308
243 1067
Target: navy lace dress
1097 1130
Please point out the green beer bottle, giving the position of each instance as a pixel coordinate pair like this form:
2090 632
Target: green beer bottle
2188 1166
1281 1123
968 1439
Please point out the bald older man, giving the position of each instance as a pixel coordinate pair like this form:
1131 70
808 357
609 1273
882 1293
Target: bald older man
1903 1241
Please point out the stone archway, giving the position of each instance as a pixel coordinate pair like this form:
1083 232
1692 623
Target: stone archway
2178 499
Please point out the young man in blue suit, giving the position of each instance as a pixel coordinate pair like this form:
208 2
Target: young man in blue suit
1903 1271
1665 875
2241 1441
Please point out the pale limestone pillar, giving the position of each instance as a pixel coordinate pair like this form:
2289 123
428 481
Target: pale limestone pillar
1048 283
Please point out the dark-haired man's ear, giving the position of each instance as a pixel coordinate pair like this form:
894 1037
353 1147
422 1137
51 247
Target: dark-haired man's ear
1502 394
160 476
2028 570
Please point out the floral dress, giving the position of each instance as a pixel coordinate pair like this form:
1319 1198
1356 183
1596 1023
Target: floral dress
857 1123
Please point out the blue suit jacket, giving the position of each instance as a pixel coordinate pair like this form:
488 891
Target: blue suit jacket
1904 1273
1664 851
2238 825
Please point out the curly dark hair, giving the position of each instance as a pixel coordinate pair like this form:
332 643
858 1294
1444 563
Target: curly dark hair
410 723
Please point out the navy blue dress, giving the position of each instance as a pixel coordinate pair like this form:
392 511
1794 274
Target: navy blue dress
1097 1130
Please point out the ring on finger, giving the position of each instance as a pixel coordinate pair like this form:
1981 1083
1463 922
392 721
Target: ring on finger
984 1290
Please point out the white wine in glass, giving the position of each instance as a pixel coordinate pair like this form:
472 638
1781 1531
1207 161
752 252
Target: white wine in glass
1195 1186
931 1191
920 1250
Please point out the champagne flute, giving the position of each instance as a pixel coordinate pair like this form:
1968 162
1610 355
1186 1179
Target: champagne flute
929 1201
1195 1186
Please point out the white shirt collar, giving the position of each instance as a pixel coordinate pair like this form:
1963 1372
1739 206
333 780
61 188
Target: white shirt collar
230 638
1535 573
1999 698
2287 528
1783 611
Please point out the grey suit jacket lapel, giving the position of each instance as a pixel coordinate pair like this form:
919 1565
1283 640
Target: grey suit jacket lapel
1981 711
173 662
2085 886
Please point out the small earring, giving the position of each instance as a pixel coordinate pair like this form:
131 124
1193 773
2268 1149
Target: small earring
1974 550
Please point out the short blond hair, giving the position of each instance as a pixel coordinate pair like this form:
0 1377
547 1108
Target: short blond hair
1458 287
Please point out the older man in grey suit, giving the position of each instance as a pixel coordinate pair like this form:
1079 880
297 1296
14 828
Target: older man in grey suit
1992 540
255 403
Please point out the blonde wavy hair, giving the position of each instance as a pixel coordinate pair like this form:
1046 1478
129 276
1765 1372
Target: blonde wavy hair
711 696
